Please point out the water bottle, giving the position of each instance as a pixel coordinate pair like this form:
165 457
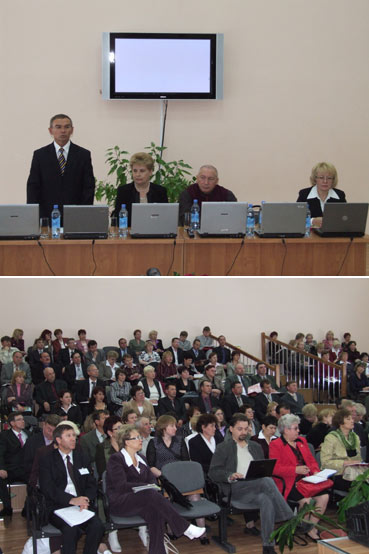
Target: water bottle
250 222
55 223
195 216
261 215
123 222
307 222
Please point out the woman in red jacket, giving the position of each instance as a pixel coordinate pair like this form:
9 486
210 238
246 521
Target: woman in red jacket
294 462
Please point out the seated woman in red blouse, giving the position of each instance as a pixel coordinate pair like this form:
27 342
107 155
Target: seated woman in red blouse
295 461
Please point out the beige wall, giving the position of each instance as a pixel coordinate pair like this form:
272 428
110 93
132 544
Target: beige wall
239 308
296 89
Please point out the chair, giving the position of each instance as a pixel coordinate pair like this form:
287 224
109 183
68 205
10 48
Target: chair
109 348
37 524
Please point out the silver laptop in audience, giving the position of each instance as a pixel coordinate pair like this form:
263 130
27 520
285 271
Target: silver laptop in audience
86 222
343 220
19 222
154 220
223 219
282 220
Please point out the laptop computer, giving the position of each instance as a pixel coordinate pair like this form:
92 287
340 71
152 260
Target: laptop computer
343 220
154 221
283 220
19 222
223 219
260 468
86 222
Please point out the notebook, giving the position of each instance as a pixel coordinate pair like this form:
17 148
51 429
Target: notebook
86 222
223 219
19 222
154 220
343 220
282 220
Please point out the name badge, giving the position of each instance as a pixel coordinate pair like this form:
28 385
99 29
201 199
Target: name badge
84 471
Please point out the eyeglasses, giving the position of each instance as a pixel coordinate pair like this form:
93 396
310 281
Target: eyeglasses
324 178
135 438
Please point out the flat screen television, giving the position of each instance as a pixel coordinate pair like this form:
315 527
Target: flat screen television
162 66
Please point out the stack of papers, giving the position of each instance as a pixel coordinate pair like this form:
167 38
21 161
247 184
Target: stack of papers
320 476
73 515
150 486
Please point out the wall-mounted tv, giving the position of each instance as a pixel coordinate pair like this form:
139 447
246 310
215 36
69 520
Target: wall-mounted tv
162 66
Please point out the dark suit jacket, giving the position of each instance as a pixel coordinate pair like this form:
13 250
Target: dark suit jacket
296 407
230 405
128 195
53 479
37 372
46 186
227 354
165 406
65 359
11 452
70 374
36 441
88 443
44 392
200 452
261 404
314 203
179 355
198 401
201 357
82 389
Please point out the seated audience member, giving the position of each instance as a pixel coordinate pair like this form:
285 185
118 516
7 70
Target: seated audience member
127 469
108 368
176 351
223 353
206 401
149 356
188 364
19 395
94 355
35 351
293 398
358 382
120 391
295 461
308 419
65 408
144 428
167 369
346 340
158 344
61 490
140 190
334 352
230 463
276 352
198 356
216 382
184 343
324 180
140 405
343 361
364 357
234 401
38 440
65 356
272 409
359 416
151 386
47 392
17 340
75 371
133 371
254 424
83 389
202 446
98 400
129 417
341 448
266 434
185 382
231 365
192 414
59 343
206 189
206 342
353 353
310 344
124 349
219 368
329 340
46 336
17 364
261 374
221 422
166 446
37 370
109 446
12 467
321 427
90 440
238 376
137 345
6 350
171 404
263 398
82 342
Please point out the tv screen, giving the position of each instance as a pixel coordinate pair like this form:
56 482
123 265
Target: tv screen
162 66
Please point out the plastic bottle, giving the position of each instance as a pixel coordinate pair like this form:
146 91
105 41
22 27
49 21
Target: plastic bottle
55 222
123 222
250 222
307 222
195 216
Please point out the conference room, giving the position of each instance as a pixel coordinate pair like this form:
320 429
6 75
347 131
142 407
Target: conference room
278 103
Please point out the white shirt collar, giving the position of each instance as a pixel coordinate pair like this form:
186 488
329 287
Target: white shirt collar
65 149
314 194
261 436
128 458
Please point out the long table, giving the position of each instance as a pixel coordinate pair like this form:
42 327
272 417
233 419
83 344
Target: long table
184 256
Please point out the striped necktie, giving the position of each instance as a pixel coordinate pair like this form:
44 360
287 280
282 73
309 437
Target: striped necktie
61 160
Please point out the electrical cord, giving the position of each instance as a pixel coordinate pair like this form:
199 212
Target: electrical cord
44 255
93 256
236 256
172 262
345 256
284 256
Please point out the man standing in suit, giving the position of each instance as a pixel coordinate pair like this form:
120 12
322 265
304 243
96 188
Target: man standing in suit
12 444
292 398
61 173
66 479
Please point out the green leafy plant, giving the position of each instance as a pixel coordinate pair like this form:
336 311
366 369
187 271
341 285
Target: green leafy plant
175 176
358 493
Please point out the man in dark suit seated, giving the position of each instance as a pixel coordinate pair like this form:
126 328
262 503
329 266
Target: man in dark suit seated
172 404
16 365
34 353
233 402
12 468
47 393
37 369
263 398
238 377
76 371
215 380
83 389
198 356
292 398
61 173
261 374
66 354
94 355
96 436
205 400
223 353
125 349
37 440
176 351
66 479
